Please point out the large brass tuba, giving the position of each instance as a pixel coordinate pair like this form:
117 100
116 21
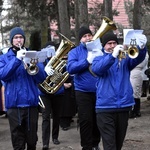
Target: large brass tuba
106 25
52 83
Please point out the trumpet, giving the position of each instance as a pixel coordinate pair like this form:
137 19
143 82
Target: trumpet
31 68
132 51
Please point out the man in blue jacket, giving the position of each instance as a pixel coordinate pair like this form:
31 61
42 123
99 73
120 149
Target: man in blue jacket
114 90
21 93
85 90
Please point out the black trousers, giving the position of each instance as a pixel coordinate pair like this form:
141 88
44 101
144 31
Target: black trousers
23 126
53 104
89 133
113 127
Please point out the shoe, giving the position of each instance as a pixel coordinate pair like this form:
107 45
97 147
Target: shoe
138 114
64 128
132 114
56 141
45 147
96 148
144 95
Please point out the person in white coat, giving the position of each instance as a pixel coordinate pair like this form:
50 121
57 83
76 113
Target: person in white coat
136 78
145 78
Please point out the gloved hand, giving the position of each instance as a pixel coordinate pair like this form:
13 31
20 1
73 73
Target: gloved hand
21 54
49 70
116 50
92 54
142 40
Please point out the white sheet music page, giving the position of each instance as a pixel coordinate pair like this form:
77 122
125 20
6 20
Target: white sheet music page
96 44
130 34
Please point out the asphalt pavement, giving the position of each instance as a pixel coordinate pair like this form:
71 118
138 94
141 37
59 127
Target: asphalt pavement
137 137
69 140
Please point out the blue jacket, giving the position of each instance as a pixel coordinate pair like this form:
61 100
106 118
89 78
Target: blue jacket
114 89
20 88
79 67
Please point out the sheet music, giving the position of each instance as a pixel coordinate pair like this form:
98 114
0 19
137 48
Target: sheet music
50 50
40 55
131 34
96 44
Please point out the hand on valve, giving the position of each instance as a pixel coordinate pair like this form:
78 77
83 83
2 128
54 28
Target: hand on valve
21 54
49 70
117 50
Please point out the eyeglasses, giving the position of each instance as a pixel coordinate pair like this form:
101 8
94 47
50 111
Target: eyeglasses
18 37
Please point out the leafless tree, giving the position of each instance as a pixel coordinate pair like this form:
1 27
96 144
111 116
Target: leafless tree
64 18
137 14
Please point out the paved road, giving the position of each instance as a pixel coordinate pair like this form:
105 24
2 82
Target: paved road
137 138
68 139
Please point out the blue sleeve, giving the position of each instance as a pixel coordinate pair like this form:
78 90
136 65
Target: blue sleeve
77 61
41 75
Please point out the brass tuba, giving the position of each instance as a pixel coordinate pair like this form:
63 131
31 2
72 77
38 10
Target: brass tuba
106 25
52 83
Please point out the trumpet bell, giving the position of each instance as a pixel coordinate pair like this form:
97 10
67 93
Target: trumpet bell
33 70
133 52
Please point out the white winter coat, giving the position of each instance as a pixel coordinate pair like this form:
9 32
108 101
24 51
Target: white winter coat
137 76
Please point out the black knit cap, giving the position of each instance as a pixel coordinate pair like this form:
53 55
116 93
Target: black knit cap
108 37
84 30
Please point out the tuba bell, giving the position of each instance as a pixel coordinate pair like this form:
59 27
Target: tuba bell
52 83
106 25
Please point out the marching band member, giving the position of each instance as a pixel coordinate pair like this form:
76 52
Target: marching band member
53 104
79 59
114 90
21 93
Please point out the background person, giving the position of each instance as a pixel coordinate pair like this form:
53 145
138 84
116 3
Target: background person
79 60
69 108
21 93
136 78
145 85
53 106
114 90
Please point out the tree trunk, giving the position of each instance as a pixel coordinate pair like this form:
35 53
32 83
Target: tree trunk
64 19
83 13
108 9
81 16
137 15
44 30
